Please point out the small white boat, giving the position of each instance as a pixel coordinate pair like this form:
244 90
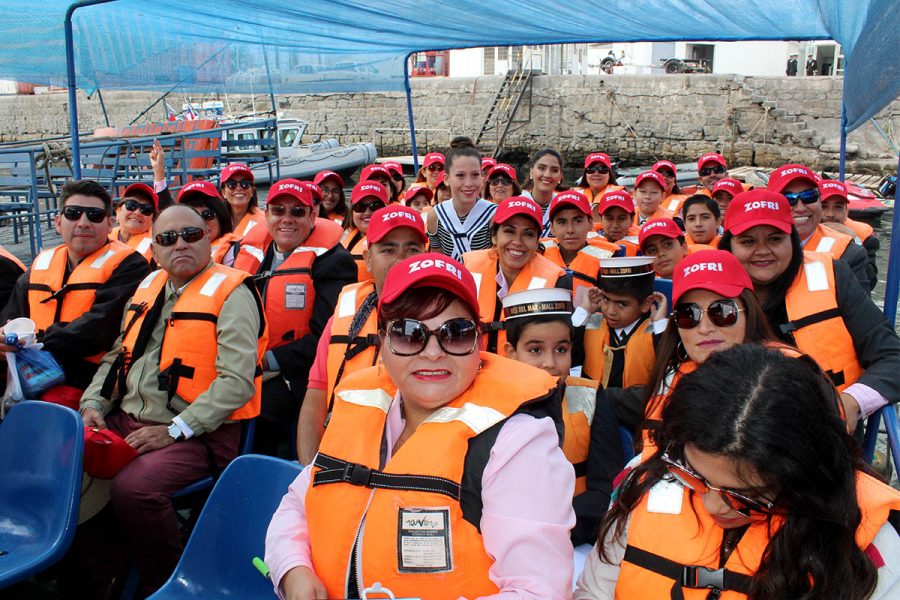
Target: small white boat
302 161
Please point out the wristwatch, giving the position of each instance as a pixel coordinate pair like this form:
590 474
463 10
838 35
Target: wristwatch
175 431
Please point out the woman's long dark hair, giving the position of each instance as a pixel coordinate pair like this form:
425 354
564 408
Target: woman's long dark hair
773 306
529 183
221 209
779 416
670 353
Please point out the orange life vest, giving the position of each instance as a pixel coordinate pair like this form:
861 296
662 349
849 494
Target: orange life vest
862 230
692 248
223 244
141 242
187 358
598 353
347 355
673 203
52 301
484 264
287 291
828 241
325 234
11 257
412 522
815 321
586 264
713 243
254 218
667 550
592 196
578 404
659 213
629 243
355 242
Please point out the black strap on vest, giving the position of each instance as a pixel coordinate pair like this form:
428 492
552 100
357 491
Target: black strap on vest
65 289
579 275
825 315
688 576
264 275
355 343
119 369
335 470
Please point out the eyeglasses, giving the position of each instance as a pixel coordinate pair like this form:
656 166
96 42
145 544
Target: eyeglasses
718 170
436 168
278 210
94 215
133 205
244 183
602 169
188 234
722 313
361 207
207 214
408 337
806 197
667 174
397 177
693 481
500 181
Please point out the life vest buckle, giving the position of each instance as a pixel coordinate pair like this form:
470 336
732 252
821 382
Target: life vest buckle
356 474
492 327
703 577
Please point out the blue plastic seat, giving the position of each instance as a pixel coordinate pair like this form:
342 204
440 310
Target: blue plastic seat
41 447
231 531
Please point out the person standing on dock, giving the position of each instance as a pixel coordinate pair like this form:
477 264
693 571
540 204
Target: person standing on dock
791 70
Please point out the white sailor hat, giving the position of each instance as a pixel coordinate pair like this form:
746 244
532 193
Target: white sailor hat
540 301
630 266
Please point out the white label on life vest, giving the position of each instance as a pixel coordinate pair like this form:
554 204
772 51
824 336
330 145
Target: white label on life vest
537 283
101 260
143 245
424 540
665 497
212 284
346 304
816 277
825 244
295 296
42 262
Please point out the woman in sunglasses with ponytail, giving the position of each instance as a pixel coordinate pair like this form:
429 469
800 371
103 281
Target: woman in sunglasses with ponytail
440 473
814 302
237 188
732 504
203 197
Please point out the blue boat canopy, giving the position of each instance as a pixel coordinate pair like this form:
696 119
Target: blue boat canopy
345 45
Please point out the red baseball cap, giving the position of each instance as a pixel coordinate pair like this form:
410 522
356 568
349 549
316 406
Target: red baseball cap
600 157
370 170
430 270
203 188
487 162
519 205
323 175
291 188
570 199
142 189
711 157
665 164
314 189
433 157
105 452
758 207
732 186
829 188
664 227
392 165
419 190
785 174
651 176
619 198
365 189
235 169
715 270
384 220
508 170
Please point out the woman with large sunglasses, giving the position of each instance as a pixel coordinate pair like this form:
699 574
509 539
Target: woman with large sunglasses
733 504
203 197
134 217
431 172
365 199
237 188
598 177
501 183
814 302
440 473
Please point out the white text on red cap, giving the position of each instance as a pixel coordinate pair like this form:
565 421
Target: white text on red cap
370 188
428 263
401 213
290 186
797 170
708 266
655 225
522 204
833 185
757 204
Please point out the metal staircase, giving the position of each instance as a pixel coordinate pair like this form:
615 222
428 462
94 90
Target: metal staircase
502 117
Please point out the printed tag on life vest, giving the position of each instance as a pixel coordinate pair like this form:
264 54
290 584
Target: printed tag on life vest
295 296
424 540
665 497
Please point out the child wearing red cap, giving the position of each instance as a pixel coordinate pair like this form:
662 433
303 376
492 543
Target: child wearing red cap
649 191
663 240
544 176
599 176
615 217
724 190
418 198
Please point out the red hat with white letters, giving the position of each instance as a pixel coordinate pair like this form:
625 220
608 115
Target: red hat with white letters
519 205
504 168
323 175
665 164
430 270
365 189
711 157
732 186
600 157
570 199
653 176
785 174
758 207
370 170
715 270
664 227
384 220
619 198
203 188
235 169
432 158
829 188
393 166
487 162
291 188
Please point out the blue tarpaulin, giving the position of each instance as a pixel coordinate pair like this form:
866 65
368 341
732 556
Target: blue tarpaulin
345 45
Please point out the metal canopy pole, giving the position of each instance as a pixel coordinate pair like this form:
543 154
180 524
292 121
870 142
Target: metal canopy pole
70 77
843 166
409 112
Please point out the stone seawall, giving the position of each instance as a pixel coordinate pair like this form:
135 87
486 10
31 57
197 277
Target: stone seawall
764 121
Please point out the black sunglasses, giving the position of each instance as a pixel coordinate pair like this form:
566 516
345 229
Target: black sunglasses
397 177
207 214
408 337
244 183
806 197
188 234
94 215
277 210
435 168
602 169
133 205
722 313
362 207
718 170
500 181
